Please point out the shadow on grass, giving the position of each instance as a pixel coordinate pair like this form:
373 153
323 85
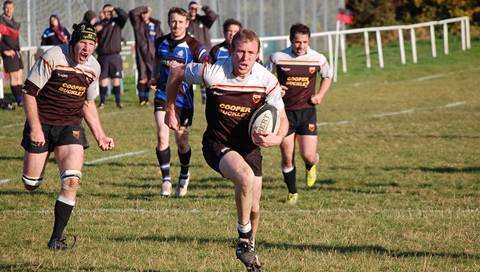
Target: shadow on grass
373 249
6 158
38 266
29 193
318 248
436 169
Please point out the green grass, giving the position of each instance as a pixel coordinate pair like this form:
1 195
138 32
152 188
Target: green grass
396 192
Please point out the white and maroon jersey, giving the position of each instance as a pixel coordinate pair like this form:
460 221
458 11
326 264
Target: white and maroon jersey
231 100
61 86
299 74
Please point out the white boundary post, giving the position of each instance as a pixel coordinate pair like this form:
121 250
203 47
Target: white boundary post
367 49
335 67
379 48
414 44
432 39
467 30
445 38
344 55
402 46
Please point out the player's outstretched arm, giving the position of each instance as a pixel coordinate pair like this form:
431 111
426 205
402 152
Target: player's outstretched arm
93 121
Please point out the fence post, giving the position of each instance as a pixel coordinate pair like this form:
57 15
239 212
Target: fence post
367 49
402 45
445 38
414 44
432 40
379 48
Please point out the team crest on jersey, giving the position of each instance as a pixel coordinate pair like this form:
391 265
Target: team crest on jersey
311 70
311 127
180 54
256 98
76 134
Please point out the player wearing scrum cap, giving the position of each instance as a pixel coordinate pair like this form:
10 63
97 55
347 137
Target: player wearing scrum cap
58 94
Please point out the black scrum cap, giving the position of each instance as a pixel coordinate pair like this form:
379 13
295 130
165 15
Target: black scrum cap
83 31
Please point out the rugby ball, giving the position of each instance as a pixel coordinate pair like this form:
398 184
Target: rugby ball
265 118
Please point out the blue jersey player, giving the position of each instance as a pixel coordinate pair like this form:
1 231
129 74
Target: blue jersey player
174 49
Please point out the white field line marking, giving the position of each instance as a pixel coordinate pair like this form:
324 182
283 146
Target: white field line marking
430 77
455 104
13 125
115 157
393 113
195 211
450 105
2 181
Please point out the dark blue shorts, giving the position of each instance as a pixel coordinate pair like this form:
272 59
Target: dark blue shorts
185 115
112 66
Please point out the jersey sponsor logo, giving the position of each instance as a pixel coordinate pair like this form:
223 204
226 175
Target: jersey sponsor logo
256 98
62 75
180 54
311 70
286 69
297 81
72 89
76 134
234 110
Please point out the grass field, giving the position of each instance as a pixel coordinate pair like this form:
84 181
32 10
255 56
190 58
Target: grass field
398 186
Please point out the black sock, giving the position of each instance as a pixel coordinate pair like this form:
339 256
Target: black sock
290 180
118 95
244 235
17 92
184 162
163 158
62 215
142 92
103 93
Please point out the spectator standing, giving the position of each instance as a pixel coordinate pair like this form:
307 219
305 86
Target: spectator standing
109 31
90 17
175 49
222 50
296 64
146 30
10 48
56 33
55 107
199 28
236 87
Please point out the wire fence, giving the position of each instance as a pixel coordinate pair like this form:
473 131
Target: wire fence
266 17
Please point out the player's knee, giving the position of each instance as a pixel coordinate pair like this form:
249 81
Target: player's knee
31 183
70 179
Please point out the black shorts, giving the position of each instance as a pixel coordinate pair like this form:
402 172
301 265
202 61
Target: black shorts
12 64
112 66
55 136
213 152
186 115
302 122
